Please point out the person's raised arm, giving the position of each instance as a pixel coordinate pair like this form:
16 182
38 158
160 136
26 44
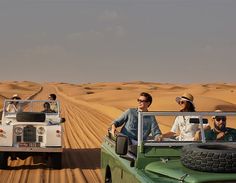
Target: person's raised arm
119 122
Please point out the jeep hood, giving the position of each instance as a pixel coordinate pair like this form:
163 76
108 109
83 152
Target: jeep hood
174 169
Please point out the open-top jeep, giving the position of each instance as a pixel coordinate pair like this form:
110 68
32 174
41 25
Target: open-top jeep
170 160
31 131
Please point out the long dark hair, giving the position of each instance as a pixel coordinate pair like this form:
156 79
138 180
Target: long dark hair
189 107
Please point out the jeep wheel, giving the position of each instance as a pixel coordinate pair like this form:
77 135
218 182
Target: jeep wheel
30 117
209 158
108 178
55 160
3 160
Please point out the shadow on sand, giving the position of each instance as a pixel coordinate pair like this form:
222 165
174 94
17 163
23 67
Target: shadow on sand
71 158
82 158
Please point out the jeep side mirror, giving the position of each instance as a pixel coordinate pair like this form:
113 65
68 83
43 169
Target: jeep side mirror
62 120
122 144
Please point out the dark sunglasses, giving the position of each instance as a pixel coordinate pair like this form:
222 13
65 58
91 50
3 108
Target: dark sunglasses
139 100
182 102
218 119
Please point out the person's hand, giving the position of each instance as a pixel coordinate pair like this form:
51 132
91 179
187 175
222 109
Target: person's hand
197 136
220 136
158 138
113 130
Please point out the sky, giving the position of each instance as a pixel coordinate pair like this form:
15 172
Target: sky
88 41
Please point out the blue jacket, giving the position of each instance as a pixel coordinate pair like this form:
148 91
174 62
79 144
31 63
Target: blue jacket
130 120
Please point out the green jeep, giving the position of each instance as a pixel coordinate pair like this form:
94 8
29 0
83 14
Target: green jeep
169 160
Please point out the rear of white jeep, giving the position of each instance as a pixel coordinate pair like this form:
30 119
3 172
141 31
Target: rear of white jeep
31 131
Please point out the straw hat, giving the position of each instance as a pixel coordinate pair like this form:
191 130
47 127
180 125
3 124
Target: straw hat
15 96
185 97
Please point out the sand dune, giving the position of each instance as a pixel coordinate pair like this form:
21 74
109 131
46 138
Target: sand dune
89 109
23 89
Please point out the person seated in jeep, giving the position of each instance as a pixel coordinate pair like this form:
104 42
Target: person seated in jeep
47 108
14 105
53 104
129 120
220 132
182 129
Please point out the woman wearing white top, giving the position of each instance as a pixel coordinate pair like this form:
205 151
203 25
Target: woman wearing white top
13 106
182 129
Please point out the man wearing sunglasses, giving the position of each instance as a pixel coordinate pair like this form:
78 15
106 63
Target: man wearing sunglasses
129 120
220 132
53 104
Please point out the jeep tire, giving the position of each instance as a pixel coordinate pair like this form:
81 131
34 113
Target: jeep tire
55 160
3 160
30 117
209 158
108 178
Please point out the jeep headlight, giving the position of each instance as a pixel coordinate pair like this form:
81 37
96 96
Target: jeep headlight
18 130
41 130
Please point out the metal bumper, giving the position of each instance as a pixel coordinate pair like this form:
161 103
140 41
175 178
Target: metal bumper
31 149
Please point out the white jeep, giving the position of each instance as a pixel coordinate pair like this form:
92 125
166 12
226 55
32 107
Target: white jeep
30 130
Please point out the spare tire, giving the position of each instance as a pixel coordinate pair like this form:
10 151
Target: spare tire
209 158
30 117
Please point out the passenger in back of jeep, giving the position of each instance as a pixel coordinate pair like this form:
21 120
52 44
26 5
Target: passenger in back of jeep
47 108
182 129
53 104
220 132
14 105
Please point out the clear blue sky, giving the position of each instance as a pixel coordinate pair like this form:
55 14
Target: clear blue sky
79 41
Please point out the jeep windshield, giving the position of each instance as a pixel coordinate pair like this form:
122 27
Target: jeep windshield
202 128
11 107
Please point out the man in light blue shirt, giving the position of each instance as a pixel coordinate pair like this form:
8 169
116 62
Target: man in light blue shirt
130 120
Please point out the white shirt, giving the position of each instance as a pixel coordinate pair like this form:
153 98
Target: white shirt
11 108
186 130
53 106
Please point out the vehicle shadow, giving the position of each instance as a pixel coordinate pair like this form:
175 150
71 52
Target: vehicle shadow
82 158
71 158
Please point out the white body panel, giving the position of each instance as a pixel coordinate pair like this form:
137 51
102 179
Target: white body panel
6 137
53 138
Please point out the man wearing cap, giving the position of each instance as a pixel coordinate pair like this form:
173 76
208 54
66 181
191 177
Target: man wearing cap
220 132
182 129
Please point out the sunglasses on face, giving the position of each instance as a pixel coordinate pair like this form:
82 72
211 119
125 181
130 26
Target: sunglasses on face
141 101
218 119
182 102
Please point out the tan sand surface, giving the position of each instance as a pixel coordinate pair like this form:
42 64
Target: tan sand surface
89 109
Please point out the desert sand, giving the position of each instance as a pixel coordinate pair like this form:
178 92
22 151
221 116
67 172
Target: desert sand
89 109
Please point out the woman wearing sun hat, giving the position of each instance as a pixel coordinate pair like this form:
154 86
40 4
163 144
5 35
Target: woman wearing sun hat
182 129
13 105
